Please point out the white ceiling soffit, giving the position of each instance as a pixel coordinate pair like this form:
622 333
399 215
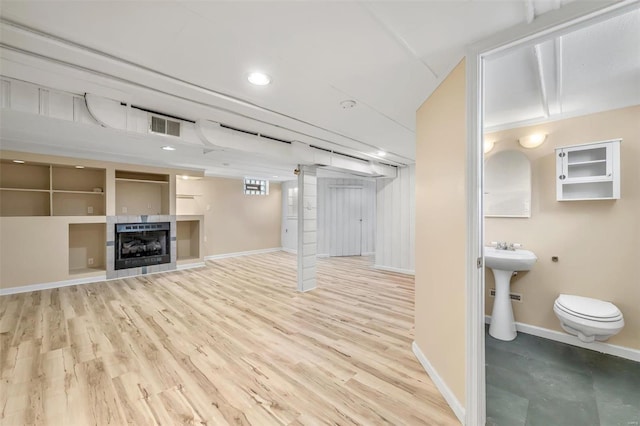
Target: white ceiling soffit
388 56
593 69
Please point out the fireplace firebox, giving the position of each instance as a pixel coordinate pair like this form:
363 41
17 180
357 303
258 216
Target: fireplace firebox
142 244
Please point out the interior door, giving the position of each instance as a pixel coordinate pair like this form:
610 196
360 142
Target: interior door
345 221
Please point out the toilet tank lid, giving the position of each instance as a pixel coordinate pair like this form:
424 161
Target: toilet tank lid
588 306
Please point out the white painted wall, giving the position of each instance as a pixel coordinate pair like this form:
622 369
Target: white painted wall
368 212
289 223
395 227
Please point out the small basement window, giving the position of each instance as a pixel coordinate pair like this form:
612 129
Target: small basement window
256 186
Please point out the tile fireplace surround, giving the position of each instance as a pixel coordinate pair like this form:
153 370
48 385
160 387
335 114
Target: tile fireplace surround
112 273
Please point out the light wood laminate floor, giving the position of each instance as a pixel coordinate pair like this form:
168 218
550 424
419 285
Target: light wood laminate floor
231 343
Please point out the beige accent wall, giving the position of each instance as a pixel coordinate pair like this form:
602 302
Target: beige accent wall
234 222
441 230
597 242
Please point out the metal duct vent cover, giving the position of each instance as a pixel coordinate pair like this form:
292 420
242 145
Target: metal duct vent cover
165 126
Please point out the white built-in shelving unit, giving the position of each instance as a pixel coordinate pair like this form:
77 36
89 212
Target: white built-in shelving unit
34 189
588 171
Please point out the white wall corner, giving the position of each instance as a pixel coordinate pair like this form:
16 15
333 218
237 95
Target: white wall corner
446 392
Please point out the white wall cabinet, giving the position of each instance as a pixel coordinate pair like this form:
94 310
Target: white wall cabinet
588 171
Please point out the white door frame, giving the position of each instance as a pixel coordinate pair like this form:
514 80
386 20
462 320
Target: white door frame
550 25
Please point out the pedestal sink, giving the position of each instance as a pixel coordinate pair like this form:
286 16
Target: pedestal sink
503 264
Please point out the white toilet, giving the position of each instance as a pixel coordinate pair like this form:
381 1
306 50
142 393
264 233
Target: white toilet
589 319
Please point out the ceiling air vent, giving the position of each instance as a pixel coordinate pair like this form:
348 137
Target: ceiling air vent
165 126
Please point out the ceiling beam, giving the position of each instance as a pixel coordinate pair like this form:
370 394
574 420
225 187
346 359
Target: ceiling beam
544 99
559 72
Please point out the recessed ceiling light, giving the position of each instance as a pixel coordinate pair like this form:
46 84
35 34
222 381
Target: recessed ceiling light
259 79
168 148
381 153
79 167
18 161
185 177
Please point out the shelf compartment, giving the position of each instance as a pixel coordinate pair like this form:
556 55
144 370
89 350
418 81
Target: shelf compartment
67 203
141 198
68 178
585 155
589 190
587 169
24 203
87 243
188 239
24 176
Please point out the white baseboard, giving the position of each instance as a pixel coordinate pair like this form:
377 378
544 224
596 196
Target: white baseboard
558 336
392 269
289 250
448 395
55 284
190 266
322 255
242 253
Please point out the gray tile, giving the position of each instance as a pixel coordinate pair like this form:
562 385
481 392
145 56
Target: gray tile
534 379
561 412
564 385
507 380
615 413
545 351
505 408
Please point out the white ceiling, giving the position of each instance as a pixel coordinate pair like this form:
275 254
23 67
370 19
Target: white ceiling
191 59
589 70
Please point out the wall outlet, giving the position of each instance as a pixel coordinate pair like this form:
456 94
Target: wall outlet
90 261
124 209
90 210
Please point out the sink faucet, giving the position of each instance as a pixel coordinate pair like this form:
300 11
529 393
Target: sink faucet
503 245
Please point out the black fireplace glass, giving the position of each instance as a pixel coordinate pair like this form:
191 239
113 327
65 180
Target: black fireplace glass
142 244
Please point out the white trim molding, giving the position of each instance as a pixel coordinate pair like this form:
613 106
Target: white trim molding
396 270
558 336
190 266
52 285
289 250
242 253
446 392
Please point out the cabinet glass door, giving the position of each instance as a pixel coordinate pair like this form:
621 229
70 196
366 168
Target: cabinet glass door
587 164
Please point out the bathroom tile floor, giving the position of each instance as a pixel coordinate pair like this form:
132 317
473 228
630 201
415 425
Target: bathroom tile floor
533 381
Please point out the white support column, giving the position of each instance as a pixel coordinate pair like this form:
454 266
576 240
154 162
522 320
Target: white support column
307 227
